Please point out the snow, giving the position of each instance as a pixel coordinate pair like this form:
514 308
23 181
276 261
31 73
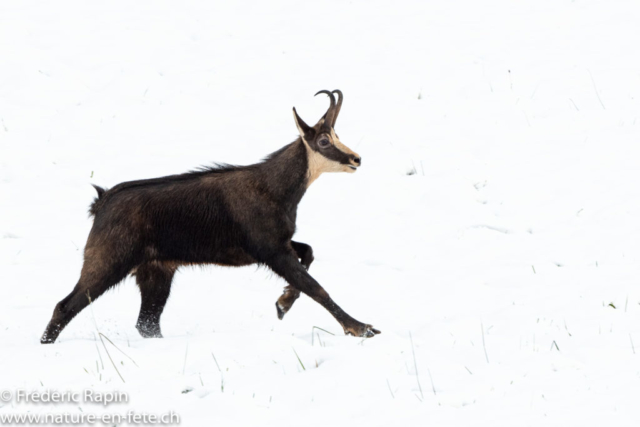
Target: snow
510 258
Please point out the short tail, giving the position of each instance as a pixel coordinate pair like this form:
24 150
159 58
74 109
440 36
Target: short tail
94 206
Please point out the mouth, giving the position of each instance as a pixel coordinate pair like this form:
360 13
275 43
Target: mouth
352 167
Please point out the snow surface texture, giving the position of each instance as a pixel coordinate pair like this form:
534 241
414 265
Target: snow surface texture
495 220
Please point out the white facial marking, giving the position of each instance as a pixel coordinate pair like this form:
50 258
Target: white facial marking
318 164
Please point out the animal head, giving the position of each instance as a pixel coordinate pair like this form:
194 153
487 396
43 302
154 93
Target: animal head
325 151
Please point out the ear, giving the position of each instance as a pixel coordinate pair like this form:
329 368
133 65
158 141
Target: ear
307 133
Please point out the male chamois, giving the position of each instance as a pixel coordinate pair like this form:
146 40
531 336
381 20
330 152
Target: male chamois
226 215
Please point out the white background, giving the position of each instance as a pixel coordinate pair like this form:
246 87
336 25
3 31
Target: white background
521 224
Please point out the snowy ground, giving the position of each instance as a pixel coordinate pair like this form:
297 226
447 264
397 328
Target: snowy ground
510 256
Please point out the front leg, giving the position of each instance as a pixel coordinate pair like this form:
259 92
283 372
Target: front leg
291 294
286 265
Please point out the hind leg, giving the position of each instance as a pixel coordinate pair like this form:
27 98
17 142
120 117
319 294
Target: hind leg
154 280
96 277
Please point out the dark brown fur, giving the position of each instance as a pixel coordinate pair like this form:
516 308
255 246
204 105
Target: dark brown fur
226 215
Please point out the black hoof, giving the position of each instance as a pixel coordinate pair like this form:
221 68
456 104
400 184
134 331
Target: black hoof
281 313
149 331
50 336
364 331
371 332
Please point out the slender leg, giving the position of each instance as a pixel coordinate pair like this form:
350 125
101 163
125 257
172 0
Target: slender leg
291 294
286 265
95 279
154 280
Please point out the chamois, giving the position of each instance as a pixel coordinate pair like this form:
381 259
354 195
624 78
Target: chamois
225 215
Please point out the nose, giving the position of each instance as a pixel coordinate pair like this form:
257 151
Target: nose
356 160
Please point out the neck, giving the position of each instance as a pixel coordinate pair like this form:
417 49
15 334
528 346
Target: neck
285 173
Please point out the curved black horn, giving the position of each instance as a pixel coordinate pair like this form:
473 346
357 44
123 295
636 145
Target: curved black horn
330 115
338 106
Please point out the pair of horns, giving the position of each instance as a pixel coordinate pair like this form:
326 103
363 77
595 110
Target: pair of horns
331 115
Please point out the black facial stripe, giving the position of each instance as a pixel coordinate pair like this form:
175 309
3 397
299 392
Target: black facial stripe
333 153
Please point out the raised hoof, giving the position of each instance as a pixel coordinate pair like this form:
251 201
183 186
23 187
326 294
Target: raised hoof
281 312
363 331
286 300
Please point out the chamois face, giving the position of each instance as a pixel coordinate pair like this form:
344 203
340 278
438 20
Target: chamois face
325 151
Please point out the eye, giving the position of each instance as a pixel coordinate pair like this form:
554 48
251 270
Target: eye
324 143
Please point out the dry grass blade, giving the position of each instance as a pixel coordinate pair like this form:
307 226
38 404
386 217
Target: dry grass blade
118 348
415 365
101 338
301 364
312 334
484 346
